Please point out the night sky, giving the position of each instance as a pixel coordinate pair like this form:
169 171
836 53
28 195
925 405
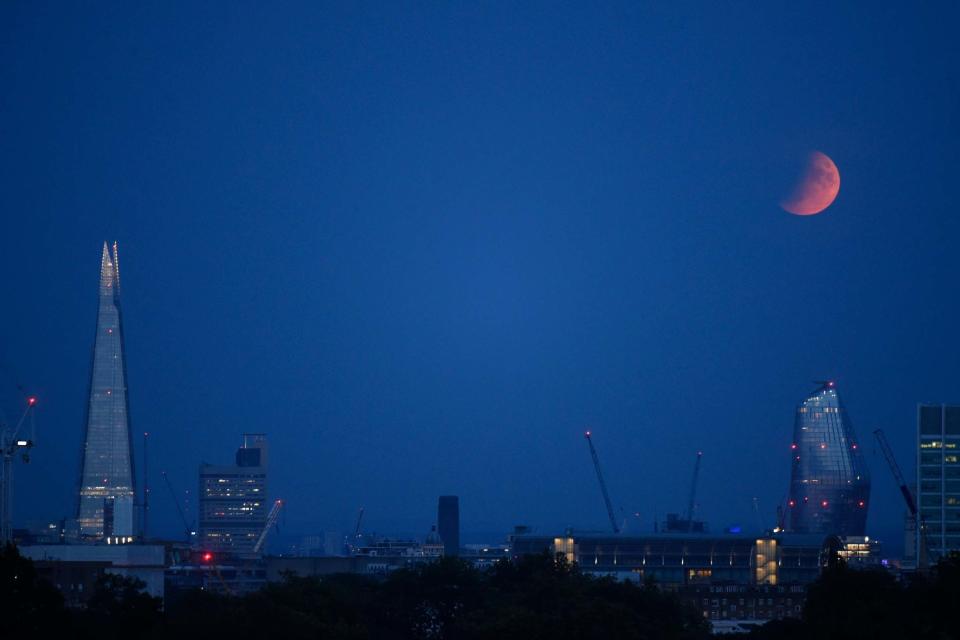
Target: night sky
424 246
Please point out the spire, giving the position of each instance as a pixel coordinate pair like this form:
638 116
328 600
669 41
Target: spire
107 486
116 269
109 272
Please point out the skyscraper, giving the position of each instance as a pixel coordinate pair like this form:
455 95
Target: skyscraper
107 489
938 478
829 482
233 499
448 524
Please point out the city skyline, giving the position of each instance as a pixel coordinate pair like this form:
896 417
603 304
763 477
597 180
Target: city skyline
425 248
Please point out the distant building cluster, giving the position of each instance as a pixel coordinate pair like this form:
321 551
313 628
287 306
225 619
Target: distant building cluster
731 576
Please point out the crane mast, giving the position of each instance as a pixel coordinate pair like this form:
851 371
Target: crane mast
10 444
603 484
188 530
905 490
271 520
693 491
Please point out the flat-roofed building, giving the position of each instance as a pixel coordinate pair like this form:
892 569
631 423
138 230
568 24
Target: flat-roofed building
233 499
938 479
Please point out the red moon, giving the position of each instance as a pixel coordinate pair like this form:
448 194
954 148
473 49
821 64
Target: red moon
817 188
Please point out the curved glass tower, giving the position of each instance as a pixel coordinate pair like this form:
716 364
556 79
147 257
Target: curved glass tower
106 495
829 481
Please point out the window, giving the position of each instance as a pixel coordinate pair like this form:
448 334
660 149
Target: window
930 420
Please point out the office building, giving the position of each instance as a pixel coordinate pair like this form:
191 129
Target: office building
829 482
675 560
448 524
938 479
233 499
105 503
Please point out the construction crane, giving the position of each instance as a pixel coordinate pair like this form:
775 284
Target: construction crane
905 491
693 491
603 484
188 530
356 530
271 520
11 443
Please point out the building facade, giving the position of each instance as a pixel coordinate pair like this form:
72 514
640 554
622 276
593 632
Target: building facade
448 524
233 499
107 488
829 481
677 560
938 479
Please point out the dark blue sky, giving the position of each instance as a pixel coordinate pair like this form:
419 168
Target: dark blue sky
423 247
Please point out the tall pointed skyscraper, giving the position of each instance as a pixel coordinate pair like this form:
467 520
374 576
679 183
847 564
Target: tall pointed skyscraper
107 490
829 483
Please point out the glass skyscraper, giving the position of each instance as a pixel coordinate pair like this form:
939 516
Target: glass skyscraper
829 481
938 477
106 494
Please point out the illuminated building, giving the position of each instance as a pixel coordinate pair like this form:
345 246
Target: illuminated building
674 560
938 478
233 499
829 481
106 490
448 524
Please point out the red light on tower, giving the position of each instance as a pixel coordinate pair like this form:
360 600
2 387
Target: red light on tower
854 446
586 434
793 446
792 503
31 401
207 556
824 504
861 504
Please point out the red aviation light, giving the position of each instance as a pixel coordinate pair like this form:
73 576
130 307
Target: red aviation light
31 401
854 446
824 504
792 503
793 446
586 434
861 504
207 556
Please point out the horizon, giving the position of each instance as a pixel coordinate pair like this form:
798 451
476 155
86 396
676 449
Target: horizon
424 249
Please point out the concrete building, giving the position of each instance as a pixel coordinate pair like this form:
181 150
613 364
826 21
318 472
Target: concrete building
938 479
233 500
74 569
675 560
448 524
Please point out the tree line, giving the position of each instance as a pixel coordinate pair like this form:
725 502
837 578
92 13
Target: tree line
531 598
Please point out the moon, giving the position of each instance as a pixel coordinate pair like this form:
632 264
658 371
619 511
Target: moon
816 189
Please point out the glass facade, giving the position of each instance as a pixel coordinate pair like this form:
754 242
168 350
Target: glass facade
233 499
938 477
829 481
105 502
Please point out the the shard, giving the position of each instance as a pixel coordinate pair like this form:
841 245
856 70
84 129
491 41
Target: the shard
105 505
829 482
